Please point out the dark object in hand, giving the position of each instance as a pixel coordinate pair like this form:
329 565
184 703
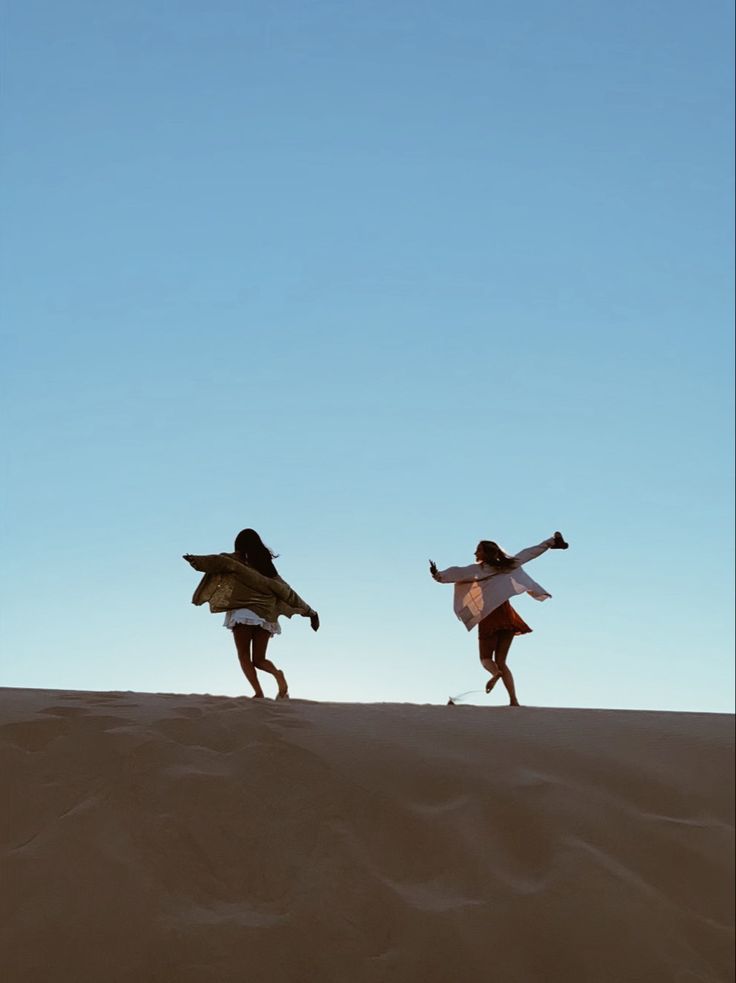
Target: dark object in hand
559 543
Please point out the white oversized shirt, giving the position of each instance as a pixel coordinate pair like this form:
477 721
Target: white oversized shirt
481 588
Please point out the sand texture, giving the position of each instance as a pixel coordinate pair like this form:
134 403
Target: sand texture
203 839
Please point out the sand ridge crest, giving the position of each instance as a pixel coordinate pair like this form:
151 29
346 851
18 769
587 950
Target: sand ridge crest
187 837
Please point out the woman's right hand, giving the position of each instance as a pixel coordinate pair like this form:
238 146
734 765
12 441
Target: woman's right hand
314 621
434 571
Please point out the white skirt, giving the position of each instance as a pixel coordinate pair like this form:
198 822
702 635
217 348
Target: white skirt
244 616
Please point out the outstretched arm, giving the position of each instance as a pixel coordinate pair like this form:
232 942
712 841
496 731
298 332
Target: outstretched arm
210 563
457 575
555 542
290 597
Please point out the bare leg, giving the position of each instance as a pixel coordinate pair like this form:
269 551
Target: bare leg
505 638
261 639
243 635
487 647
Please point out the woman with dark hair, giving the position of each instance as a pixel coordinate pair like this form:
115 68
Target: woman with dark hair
482 592
246 586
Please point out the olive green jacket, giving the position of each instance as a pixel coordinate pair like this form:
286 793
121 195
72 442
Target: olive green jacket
228 583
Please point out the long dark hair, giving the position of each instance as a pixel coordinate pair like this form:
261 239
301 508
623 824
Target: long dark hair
500 560
255 552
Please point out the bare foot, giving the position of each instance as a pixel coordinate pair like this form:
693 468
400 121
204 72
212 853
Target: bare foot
492 682
514 703
283 693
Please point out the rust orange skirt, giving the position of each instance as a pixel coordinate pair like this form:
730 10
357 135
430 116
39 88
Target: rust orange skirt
503 618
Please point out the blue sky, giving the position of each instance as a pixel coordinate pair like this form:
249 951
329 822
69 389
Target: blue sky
378 280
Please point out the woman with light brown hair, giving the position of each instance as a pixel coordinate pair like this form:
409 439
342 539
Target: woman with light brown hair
482 592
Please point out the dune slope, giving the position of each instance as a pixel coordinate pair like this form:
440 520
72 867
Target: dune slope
203 839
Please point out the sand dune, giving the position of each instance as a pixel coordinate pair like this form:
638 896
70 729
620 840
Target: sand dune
202 839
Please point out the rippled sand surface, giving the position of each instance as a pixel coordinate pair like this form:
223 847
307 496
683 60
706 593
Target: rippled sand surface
203 839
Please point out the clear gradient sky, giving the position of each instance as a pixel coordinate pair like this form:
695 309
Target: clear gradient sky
377 279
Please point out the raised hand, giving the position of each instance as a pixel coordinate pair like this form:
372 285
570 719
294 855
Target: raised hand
433 570
559 543
314 621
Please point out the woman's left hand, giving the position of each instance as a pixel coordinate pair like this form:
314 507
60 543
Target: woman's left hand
434 571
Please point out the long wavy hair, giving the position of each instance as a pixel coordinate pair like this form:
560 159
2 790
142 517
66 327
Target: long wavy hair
250 546
494 556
